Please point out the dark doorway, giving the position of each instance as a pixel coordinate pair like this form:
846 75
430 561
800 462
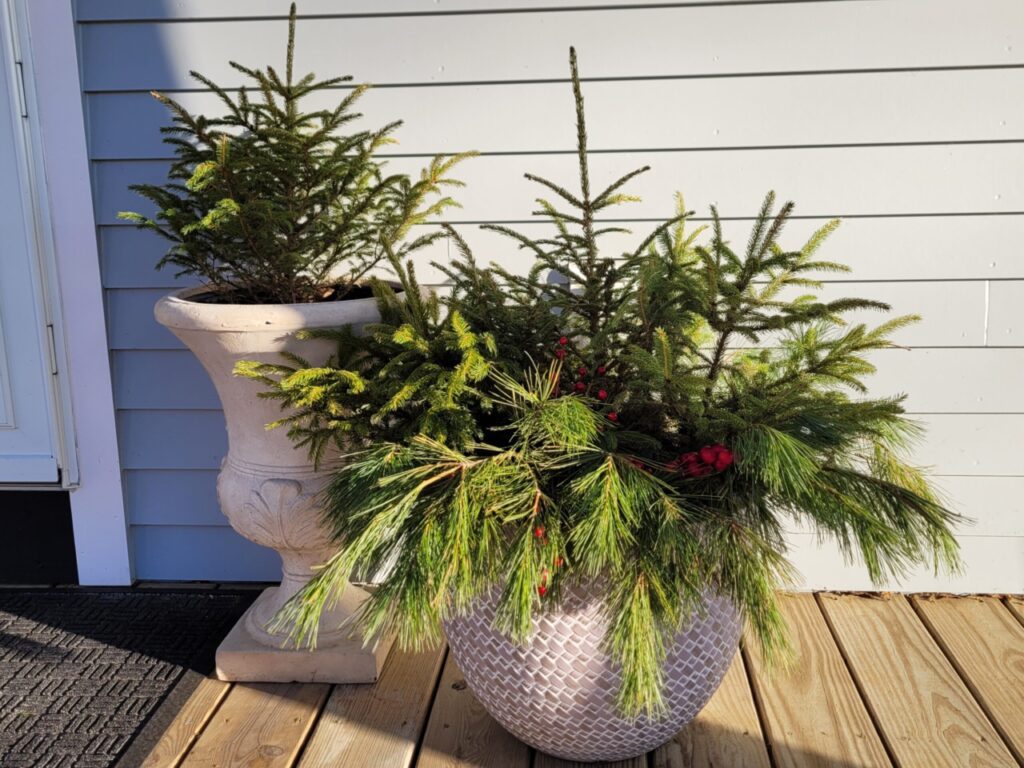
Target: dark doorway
37 545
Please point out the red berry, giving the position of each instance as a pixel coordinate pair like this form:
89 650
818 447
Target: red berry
580 386
600 370
602 395
708 454
542 590
538 532
613 416
564 340
560 354
692 465
582 370
724 459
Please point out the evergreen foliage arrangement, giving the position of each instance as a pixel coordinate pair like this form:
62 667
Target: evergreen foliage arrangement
653 422
269 203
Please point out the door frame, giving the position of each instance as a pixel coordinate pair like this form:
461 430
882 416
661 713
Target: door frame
66 227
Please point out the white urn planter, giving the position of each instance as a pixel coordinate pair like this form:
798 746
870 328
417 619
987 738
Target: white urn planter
268 489
557 693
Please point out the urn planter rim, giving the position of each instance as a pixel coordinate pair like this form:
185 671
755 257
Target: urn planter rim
179 310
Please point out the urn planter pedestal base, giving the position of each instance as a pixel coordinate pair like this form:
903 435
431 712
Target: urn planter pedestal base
245 659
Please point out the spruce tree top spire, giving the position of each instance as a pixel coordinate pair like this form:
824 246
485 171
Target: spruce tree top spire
272 203
290 57
581 128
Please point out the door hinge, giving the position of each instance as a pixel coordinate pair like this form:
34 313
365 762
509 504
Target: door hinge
53 348
22 98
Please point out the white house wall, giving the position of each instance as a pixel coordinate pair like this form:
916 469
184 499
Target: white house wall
904 117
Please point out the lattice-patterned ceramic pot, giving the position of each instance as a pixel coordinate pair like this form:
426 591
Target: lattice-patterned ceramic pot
557 693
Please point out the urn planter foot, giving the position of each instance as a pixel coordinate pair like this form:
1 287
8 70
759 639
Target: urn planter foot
245 659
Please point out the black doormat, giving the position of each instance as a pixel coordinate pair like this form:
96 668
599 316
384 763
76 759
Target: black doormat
82 671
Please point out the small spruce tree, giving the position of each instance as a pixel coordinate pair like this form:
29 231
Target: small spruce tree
269 203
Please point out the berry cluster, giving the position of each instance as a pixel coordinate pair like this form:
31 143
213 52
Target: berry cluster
709 459
560 352
580 386
540 534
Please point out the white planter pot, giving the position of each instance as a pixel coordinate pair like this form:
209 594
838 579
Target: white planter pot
557 693
268 490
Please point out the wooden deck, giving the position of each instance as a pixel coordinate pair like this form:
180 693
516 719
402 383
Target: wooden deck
879 681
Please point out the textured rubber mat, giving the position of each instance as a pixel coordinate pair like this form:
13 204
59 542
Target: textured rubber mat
82 671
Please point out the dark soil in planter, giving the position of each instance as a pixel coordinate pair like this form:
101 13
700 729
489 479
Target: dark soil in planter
330 293
82 671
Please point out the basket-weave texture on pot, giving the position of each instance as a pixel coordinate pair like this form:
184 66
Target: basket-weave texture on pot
557 693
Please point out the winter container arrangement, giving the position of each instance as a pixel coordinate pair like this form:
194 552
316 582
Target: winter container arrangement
584 483
281 214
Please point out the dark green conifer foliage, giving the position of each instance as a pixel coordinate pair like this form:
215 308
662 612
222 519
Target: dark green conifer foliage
269 203
584 456
415 371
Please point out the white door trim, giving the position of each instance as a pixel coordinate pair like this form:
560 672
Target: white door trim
47 28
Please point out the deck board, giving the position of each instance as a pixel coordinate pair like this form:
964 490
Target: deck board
1016 606
814 716
926 714
182 733
263 724
547 761
877 680
726 732
364 726
461 734
986 645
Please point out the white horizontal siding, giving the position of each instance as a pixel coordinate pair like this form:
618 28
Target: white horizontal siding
958 444
901 117
638 43
896 249
942 380
1006 314
185 497
994 506
132 326
161 10
991 564
906 107
185 439
972 444
203 553
161 380
826 182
